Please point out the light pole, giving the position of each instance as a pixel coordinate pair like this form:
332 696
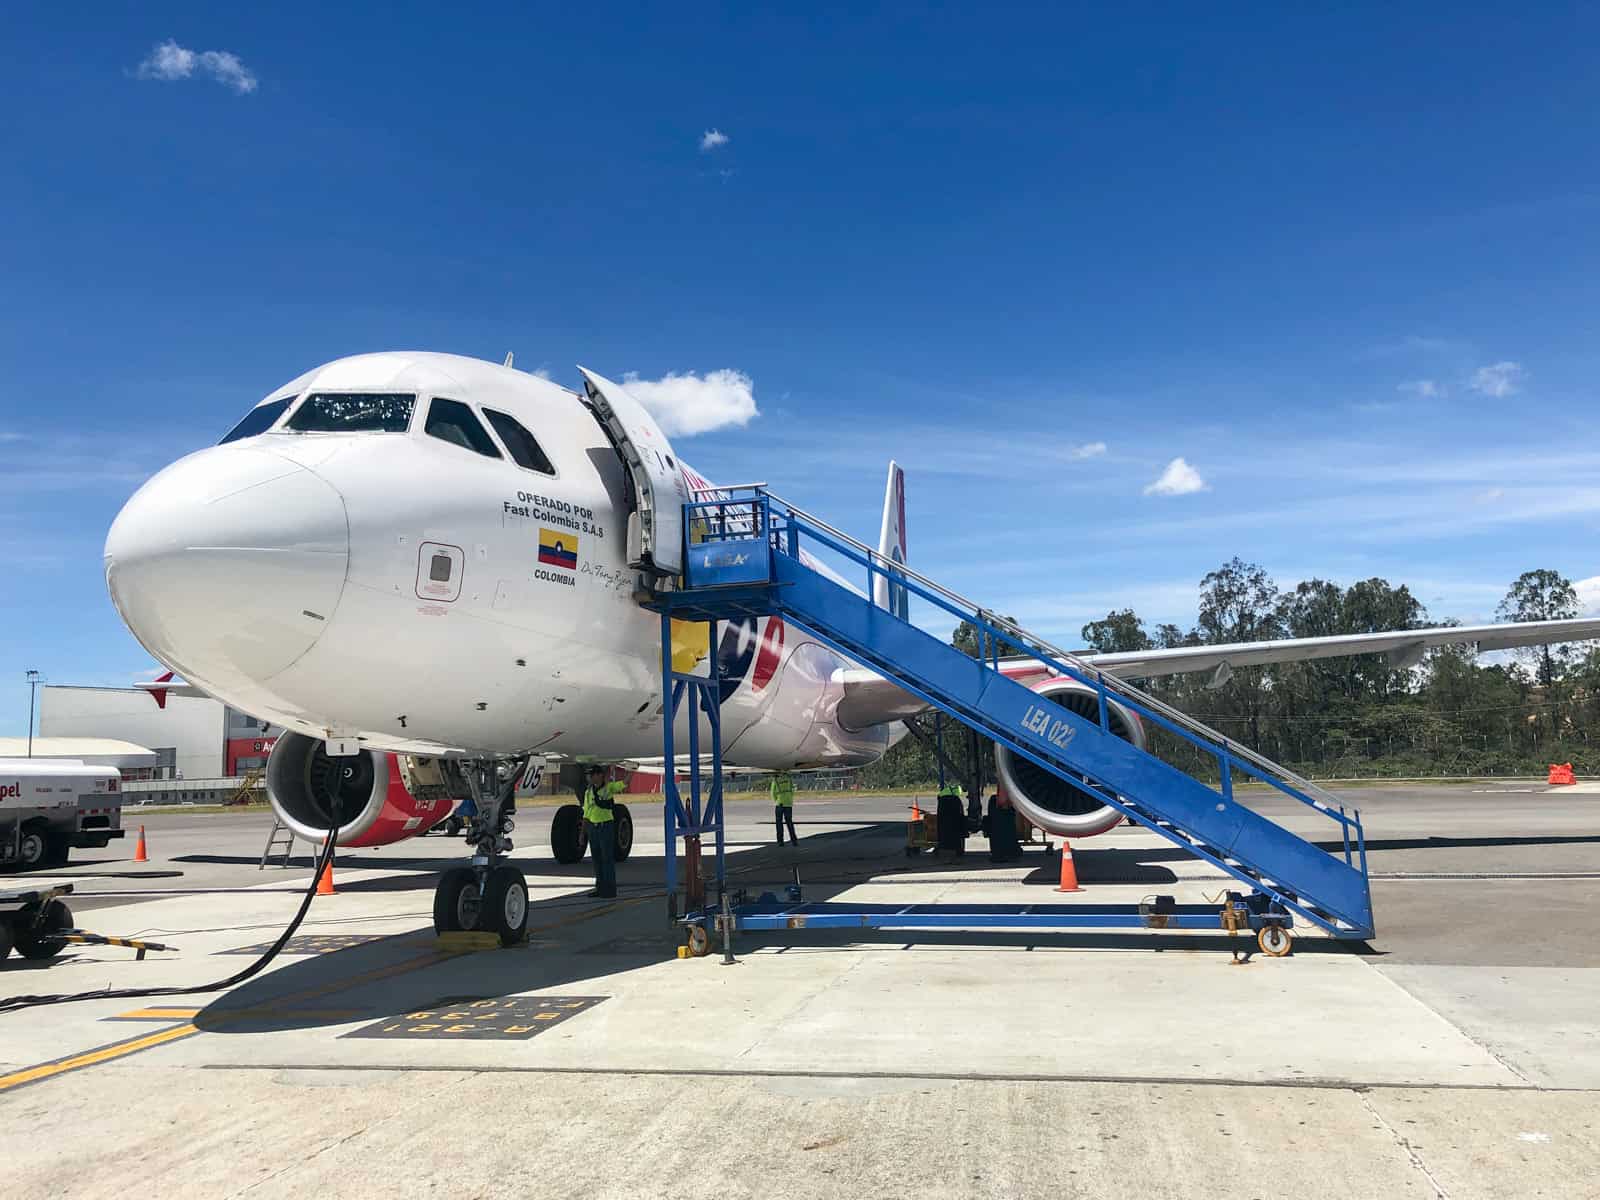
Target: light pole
33 687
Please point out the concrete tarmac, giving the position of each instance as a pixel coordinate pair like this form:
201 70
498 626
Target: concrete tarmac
1457 1055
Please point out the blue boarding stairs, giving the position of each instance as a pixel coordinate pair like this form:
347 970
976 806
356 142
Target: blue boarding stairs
748 553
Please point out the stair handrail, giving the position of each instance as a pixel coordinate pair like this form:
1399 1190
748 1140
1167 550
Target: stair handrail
1041 650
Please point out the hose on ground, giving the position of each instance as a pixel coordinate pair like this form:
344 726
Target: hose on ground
17 1003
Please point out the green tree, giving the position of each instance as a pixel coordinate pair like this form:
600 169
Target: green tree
1542 596
1116 633
971 641
1239 603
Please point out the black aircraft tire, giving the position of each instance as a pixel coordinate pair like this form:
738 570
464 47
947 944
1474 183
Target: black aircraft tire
568 840
451 904
624 820
33 848
505 905
33 937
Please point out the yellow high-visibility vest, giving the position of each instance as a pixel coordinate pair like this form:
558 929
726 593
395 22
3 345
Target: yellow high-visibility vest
783 789
592 812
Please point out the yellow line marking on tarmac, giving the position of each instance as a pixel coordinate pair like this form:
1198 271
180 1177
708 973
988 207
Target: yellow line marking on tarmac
91 1058
116 1050
157 1014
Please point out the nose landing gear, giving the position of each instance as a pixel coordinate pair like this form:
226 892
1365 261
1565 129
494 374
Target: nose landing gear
490 894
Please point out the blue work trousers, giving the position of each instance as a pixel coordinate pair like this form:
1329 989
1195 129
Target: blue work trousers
603 849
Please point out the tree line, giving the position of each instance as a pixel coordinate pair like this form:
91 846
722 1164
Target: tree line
1364 715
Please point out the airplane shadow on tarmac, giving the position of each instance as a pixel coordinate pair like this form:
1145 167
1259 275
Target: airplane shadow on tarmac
411 973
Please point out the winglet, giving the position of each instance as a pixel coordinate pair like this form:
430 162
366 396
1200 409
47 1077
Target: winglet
157 692
163 686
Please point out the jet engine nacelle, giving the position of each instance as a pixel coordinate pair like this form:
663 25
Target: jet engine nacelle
1049 801
307 787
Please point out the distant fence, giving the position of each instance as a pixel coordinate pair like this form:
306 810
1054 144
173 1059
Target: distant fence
186 791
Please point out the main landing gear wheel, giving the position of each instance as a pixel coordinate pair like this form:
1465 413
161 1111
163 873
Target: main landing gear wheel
1275 941
505 905
456 903
33 937
624 822
567 837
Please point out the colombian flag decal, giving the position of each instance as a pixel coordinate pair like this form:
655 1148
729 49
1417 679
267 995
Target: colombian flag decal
557 548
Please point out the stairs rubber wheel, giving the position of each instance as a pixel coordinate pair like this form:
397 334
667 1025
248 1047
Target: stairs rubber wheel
1275 941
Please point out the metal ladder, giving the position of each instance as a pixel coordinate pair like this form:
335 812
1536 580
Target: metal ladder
245 793
749 560
273 841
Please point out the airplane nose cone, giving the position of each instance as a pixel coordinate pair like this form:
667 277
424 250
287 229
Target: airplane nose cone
228 564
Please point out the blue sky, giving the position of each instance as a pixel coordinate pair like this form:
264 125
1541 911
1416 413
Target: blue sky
1342 264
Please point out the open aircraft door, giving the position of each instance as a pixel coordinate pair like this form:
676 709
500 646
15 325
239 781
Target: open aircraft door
655 527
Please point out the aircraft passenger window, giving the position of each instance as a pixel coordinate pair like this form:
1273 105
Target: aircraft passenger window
520 444
353 412
258 420
439 568
453 422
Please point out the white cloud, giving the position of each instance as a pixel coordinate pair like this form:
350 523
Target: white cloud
1588 594
711 139
1498 379
170 61
1088 450
688 404
1427 389
1179 479
1490 495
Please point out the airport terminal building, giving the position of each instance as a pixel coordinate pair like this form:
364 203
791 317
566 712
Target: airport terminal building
193 738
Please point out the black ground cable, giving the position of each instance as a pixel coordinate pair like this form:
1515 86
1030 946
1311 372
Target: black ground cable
17 1003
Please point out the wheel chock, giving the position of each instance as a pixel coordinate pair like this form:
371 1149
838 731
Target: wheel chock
467 941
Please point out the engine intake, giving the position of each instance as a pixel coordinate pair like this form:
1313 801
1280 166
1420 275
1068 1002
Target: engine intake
1046 799
308 790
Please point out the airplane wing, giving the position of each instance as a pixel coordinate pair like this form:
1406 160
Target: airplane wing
870 699
1404 647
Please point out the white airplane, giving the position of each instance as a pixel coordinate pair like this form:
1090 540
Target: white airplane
428 569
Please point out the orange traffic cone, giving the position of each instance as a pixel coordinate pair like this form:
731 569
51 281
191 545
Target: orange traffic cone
139 854
1069 873
916 811
325 881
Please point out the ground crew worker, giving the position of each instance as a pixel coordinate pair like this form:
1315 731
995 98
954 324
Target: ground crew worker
1001 825
600 817
952 823
783 805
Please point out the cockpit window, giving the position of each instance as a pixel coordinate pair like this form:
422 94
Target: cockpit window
453 422
520 444
353 412
258 420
